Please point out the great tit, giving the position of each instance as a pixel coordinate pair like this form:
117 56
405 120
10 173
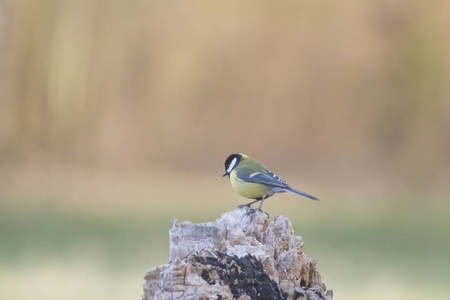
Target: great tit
251 179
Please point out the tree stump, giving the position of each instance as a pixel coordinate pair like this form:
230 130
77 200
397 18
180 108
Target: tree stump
239 256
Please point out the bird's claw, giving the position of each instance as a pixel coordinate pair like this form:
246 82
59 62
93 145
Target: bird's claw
251 209
243 205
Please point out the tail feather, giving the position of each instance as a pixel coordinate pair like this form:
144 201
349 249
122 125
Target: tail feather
294 191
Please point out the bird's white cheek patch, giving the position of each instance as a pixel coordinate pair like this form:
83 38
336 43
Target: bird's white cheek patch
233 162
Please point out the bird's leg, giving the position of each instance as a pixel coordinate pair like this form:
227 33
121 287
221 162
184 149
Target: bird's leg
260 205
248 204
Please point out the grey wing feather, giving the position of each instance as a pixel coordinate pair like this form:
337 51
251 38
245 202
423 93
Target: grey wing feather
267 178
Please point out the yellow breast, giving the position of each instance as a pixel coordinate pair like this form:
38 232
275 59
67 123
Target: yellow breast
248 189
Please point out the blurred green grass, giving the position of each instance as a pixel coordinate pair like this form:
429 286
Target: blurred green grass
49 234
364 249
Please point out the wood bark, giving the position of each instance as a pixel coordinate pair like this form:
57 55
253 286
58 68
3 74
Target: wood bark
239 256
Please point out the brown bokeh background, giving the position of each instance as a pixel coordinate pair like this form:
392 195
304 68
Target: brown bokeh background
126 110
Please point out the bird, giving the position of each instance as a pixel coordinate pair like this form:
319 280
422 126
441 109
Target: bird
253 180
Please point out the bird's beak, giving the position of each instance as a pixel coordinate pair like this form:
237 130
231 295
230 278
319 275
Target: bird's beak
224 174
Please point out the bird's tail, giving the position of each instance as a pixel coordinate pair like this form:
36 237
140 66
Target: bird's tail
294 191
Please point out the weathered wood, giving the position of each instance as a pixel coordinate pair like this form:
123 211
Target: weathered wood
239 256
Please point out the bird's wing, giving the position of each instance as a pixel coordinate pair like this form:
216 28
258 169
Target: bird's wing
266 177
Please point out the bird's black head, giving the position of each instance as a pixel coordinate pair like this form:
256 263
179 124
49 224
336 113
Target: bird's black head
232 161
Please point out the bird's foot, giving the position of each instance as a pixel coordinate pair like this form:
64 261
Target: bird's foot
244 205
262 211
250 211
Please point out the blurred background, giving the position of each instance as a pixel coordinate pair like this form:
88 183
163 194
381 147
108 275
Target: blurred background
117 116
